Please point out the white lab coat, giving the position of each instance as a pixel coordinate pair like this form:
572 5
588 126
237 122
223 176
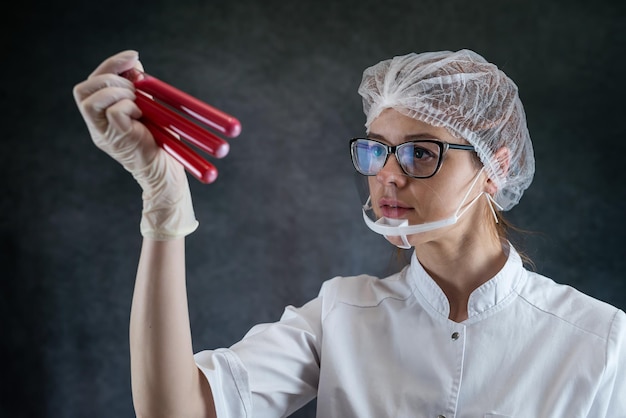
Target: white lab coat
369 347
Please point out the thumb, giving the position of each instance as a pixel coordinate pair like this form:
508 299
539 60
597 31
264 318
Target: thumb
118 63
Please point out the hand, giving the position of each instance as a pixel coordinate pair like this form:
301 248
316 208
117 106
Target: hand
106 102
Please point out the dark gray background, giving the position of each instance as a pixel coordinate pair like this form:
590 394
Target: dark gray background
284 214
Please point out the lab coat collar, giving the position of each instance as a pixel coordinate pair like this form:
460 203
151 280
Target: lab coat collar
490 297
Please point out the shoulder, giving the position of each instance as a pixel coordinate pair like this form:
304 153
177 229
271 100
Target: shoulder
365 290
572 307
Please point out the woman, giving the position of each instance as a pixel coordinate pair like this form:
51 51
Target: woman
463 331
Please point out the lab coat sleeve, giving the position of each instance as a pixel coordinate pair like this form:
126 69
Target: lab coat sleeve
272 371
610 401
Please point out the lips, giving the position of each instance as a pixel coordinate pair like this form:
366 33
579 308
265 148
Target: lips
392 208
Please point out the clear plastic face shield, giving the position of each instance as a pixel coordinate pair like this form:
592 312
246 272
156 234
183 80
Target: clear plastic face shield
391 213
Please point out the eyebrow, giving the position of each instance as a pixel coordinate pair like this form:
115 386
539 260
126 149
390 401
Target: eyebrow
409 137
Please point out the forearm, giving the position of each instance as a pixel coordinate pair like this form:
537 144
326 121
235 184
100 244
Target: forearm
165 379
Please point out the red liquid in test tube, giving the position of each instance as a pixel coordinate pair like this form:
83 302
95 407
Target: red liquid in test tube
209 115
196 165
201 138
165 124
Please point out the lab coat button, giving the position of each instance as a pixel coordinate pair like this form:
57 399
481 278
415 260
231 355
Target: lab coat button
455 336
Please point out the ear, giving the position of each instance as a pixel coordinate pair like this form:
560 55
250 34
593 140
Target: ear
502 157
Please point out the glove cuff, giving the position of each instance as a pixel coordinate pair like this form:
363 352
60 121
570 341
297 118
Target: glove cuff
167 206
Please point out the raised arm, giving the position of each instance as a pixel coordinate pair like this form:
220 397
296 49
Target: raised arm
165 379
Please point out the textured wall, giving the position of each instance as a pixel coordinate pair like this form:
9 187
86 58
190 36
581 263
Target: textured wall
284 214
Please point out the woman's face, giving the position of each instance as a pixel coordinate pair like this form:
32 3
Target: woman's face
396 195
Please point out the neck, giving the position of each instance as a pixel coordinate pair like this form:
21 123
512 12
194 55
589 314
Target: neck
460 266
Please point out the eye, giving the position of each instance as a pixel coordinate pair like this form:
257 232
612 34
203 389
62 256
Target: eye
420 153
377 150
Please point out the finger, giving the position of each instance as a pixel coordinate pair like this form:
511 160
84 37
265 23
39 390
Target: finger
135 147
88 87
93 107
118 63
123 135
122 114
139 66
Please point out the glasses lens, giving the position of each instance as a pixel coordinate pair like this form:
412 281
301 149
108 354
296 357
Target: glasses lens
368 156
419 159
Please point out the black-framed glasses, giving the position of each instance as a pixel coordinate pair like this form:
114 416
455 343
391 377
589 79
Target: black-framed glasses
418 159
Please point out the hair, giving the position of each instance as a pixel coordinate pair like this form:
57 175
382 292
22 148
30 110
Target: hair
507 232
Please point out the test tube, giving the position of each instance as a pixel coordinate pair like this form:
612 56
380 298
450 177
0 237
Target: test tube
209 115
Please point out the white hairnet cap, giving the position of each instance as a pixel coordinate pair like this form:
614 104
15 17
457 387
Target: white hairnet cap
470 97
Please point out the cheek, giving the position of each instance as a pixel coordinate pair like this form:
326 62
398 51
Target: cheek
434 198
449 194
375 191
372 184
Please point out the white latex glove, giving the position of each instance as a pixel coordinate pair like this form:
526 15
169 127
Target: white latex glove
106 102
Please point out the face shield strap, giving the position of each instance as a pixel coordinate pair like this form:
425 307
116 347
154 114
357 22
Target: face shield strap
389 227
492 202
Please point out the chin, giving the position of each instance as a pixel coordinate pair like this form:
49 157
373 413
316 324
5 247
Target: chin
397 241
415 240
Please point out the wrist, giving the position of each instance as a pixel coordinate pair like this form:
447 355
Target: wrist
167 205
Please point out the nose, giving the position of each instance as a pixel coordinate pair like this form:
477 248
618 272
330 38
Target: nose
392 173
